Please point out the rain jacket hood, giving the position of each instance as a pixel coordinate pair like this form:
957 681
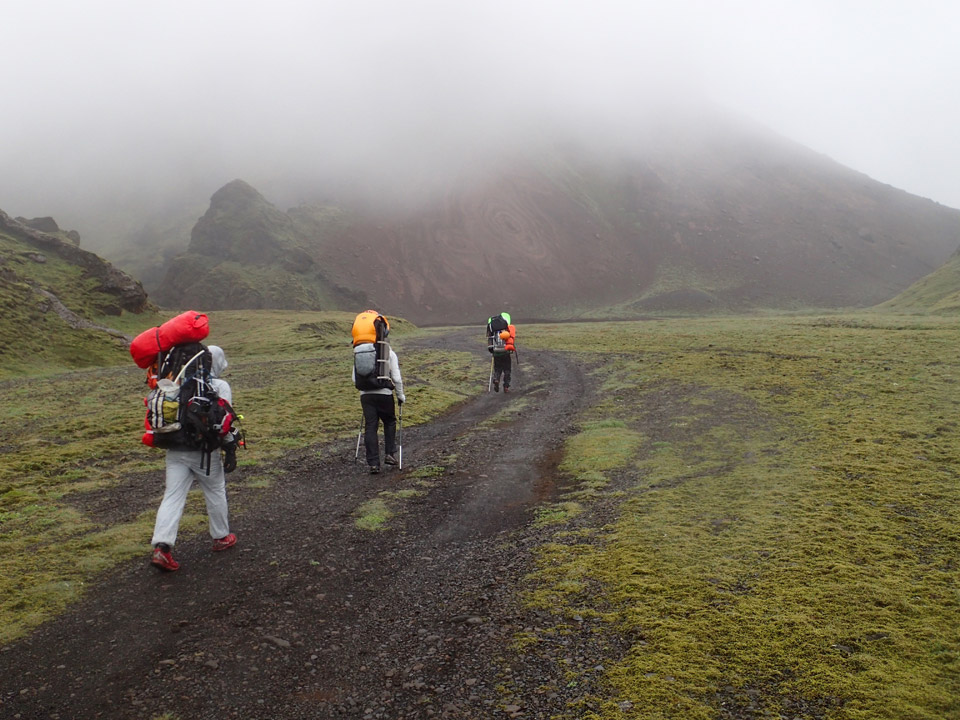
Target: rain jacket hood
218 361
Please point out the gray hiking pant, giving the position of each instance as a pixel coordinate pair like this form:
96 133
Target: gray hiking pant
183 467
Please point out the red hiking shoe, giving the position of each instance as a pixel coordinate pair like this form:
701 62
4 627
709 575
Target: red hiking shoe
164 560
225 542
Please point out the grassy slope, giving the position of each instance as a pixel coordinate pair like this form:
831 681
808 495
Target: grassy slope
28 324
787 541
785 536
937 292
69 435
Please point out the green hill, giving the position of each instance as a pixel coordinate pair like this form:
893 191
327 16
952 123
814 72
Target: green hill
938 292
63 307
245 253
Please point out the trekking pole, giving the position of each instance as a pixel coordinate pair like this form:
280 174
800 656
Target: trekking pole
359 435
490 381
400 438
517 355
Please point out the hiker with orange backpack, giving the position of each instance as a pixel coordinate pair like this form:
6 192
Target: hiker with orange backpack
376 374
501 343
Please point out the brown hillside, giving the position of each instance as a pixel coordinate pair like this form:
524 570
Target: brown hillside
520 242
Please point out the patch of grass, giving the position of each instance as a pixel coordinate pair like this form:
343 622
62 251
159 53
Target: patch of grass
426 472
373 514
557 513
600 446
505 414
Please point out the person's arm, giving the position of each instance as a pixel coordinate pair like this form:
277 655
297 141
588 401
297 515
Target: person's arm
223 389
395 376
229 451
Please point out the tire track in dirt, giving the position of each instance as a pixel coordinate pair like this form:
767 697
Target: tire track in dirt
310 617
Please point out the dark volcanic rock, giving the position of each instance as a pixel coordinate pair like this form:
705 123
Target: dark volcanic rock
43 224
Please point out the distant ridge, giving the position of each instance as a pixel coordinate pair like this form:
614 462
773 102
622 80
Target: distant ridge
700 219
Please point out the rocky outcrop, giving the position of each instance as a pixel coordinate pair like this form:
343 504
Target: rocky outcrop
43 224
241 225
244 253
128 293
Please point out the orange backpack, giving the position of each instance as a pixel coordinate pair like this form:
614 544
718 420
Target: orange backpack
371 353
365 327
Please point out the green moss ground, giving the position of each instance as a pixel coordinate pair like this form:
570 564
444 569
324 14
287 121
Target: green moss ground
786 534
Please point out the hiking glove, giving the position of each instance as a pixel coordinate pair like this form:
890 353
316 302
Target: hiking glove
230 459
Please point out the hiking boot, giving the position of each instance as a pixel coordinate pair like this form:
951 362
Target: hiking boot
496 386
506 389
390 460
225 542
164 560
374 469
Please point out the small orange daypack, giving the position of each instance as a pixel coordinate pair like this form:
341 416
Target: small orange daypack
365 327
371 352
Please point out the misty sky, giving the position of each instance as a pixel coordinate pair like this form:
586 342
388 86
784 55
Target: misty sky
109 99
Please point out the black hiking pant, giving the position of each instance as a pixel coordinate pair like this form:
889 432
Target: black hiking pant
377 407
501 366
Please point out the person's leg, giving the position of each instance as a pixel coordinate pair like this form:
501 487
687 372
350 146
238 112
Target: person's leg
178 481
214 488
501 368
371 420
388 414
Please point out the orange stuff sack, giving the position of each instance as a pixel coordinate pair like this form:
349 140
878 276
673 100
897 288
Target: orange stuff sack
187 327
511 340
365 329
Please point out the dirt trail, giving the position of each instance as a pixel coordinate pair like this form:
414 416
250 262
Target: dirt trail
311 617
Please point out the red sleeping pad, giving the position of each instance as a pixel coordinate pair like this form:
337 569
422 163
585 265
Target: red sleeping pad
190 326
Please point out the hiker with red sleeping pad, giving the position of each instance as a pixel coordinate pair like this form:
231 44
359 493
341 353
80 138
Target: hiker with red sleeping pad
189 414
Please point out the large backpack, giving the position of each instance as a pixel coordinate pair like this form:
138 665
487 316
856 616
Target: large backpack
184 411
371 352
496 343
